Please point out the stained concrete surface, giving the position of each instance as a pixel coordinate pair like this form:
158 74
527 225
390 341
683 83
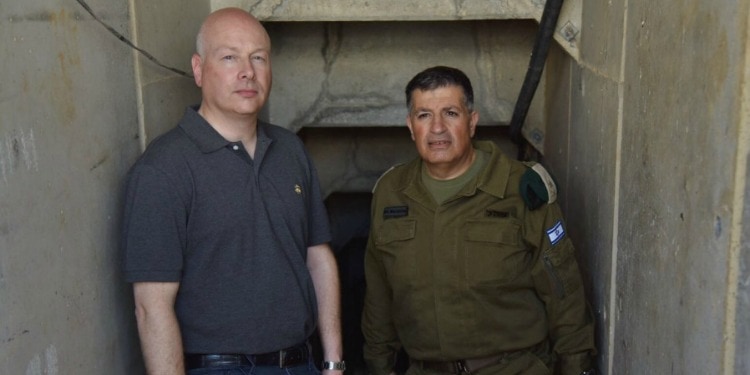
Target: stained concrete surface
742 359
387 10
679 137
68 132
354 73
591 177
165 29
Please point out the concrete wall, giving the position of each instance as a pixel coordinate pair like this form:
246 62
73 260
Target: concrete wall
742 328
352 74
68 133
386 10
651 141
165 29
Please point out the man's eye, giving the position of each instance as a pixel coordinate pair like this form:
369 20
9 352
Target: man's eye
422 115
228 58
259 58
452 113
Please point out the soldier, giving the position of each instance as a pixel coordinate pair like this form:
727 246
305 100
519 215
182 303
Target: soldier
468 269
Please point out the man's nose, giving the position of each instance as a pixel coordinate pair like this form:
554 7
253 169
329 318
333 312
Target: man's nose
247 71
437 125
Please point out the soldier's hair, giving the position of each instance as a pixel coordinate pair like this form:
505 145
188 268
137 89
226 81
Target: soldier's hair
437 77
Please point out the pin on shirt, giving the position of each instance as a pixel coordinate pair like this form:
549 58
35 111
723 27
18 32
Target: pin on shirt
297 189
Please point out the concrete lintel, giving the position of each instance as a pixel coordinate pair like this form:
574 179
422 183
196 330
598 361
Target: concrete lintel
386 10
567 34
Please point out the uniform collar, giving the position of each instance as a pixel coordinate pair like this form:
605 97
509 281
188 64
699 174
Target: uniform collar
493 179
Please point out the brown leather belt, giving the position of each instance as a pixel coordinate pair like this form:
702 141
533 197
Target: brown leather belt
293 356
464 366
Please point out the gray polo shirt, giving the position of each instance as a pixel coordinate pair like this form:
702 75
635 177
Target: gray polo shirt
234 231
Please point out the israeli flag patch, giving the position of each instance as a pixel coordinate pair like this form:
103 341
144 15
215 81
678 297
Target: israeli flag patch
556 233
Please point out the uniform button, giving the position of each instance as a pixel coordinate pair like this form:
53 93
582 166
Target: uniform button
235 147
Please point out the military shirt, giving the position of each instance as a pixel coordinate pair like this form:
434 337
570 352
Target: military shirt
475 276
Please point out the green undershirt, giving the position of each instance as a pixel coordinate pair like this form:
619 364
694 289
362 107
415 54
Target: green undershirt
441 190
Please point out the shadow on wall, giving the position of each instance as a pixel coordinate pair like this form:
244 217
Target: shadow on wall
349 214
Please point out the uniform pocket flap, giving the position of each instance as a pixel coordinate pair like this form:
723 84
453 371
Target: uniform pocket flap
505 232
396 230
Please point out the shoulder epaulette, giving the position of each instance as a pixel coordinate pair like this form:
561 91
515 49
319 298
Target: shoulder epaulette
537 186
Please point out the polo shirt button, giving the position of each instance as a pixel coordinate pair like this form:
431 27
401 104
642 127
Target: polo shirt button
235 147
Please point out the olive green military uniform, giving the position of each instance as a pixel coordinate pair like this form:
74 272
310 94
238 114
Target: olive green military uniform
480 275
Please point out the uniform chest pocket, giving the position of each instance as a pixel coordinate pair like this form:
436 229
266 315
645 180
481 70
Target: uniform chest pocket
494 251
394 231
395 240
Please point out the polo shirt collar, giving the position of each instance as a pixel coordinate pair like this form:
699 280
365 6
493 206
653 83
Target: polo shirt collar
205 136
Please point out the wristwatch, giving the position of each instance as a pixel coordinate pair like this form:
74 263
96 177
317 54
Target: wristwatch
339 366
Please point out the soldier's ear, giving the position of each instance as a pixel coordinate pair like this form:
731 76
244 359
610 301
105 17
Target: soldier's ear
408 125
473 123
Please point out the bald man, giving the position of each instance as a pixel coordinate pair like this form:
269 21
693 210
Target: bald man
225 235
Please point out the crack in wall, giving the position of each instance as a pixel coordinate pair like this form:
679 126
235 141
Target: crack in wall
330 50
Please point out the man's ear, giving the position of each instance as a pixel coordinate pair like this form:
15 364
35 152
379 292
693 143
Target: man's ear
473 123
408 125
197 64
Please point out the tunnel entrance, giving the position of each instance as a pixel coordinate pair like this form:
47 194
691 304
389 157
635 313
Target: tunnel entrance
339 85
349 214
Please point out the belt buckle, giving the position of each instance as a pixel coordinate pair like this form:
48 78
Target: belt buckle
282 358
460 367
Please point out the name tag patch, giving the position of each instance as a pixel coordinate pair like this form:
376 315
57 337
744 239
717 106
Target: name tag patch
495 213
556 233
395 211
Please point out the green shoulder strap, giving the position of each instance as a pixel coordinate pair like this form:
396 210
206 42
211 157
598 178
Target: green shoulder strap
537 186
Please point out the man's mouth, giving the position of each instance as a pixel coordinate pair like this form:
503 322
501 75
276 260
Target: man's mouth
247 93
443 143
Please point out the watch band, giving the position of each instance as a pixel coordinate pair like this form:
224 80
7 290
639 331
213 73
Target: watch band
329 365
